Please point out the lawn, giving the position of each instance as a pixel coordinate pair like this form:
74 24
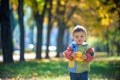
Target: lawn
56 69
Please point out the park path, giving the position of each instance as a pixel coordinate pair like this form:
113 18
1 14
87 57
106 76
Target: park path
31 56
28 56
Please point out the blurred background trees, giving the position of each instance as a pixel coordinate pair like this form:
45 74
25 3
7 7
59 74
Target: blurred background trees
46 25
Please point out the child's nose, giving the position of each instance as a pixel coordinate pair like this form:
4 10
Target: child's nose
80 38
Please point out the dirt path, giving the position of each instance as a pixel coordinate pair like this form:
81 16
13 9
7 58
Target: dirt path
28 56
31 56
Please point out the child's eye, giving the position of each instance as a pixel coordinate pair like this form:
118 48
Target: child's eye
81 36
76 36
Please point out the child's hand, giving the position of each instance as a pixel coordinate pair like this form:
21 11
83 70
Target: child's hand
84 57
73 55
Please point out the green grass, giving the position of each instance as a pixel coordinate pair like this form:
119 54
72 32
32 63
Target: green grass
57 70
34 69
106 69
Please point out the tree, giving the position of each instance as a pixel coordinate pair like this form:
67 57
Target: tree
6 36
39 17
0 39
38 11
64 14
22 41
61 26
49 27
111 19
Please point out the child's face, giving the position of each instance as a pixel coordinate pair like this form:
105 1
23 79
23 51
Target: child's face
79 37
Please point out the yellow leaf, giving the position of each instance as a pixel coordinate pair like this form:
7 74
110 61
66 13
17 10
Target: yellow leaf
78 57
35 74
14 78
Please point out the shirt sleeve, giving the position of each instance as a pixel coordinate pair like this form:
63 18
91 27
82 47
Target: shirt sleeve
68 53
89 54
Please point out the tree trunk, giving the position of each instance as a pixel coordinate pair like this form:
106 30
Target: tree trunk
39 36
60 38
49 29
0 39
107 44
21 14
61 28
6 36
118 49
39 21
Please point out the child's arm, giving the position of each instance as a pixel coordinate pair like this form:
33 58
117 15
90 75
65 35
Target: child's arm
68 53
89 55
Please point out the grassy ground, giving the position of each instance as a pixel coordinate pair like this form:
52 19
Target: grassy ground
56 69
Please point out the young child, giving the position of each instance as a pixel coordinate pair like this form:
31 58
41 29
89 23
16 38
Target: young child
79 55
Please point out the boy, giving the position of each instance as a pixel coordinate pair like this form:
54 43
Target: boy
79 55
